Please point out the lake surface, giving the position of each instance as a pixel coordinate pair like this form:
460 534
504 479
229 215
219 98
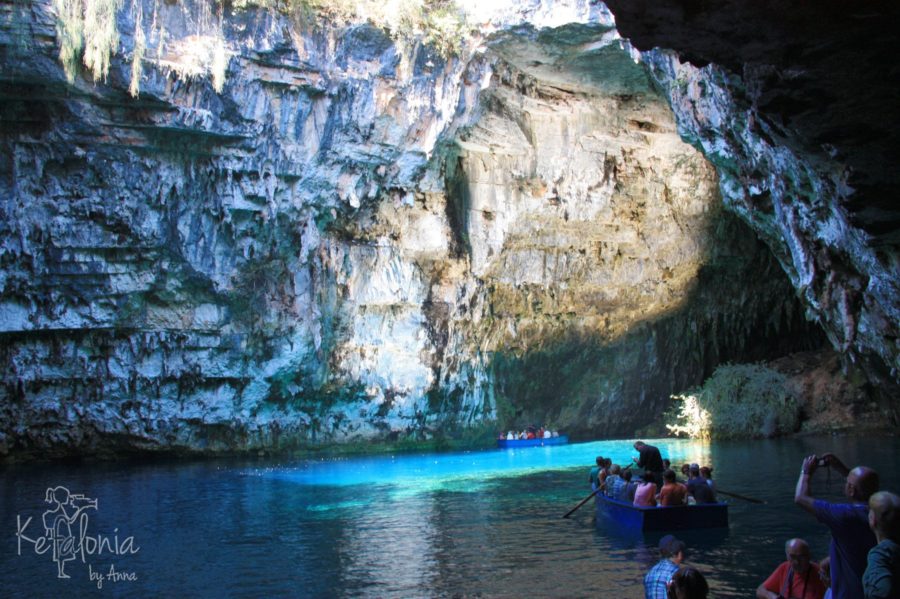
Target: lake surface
428 525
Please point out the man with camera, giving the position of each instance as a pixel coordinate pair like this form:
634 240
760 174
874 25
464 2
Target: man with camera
851 537
797 577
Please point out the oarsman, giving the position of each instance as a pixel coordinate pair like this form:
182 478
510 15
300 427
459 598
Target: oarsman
881 579
797 577
851 538
595 473
698 488
650 460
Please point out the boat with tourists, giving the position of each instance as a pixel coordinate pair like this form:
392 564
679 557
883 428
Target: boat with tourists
644 518
542 442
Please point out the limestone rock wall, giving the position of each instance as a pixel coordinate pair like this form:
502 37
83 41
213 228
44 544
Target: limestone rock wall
356 239
792 105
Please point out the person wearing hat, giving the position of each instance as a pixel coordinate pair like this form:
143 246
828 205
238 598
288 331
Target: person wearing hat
697 487
796 577
671 550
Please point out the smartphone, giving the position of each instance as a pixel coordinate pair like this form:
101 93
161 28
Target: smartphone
822 462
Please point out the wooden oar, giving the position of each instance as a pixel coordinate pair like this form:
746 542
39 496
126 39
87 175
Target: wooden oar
736 496
583 501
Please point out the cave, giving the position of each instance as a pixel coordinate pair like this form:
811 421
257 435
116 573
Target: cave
361 298
256 231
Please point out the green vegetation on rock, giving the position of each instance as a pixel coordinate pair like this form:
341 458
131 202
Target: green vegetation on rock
738 400
87 32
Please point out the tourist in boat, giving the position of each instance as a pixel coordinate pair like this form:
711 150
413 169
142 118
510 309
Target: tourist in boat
650 460
595 473
671 551
706 474
697 487
672 493
547 434
851 537
686 471
626 494
882 576
510 436
796 577
645 494
614 482
688 583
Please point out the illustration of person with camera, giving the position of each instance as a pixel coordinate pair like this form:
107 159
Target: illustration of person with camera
58 523
851 537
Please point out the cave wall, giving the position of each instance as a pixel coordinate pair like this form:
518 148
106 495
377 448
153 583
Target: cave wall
795 105
357 239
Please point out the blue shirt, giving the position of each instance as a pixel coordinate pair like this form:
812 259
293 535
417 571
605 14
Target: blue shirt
656 579
851 540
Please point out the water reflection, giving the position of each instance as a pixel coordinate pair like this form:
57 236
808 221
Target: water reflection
388 548
485 523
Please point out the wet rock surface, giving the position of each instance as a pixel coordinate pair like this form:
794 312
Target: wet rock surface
358 239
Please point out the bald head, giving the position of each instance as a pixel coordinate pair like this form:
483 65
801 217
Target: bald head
796 546
884 515
862 483
797 552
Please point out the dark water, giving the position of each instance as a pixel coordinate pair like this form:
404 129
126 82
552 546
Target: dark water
477 524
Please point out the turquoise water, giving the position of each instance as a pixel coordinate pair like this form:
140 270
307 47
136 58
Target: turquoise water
431 525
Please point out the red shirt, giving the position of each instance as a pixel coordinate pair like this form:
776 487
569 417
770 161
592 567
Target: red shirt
803 586
673 494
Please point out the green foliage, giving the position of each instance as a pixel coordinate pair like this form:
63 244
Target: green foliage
88 26
446 29
440 23
219 64
101 36
70 32
738 400
137 56
87 32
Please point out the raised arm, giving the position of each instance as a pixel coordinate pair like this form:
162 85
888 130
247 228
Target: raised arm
802 496
832 460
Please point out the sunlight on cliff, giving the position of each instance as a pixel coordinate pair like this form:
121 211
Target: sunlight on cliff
737 401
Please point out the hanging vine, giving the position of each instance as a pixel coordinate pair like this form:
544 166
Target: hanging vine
87 33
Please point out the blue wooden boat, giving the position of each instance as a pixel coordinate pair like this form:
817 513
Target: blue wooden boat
704 515
516 443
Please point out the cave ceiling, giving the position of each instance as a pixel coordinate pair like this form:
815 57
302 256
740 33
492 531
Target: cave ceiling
825 71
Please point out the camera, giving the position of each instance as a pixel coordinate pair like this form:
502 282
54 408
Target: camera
822 462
